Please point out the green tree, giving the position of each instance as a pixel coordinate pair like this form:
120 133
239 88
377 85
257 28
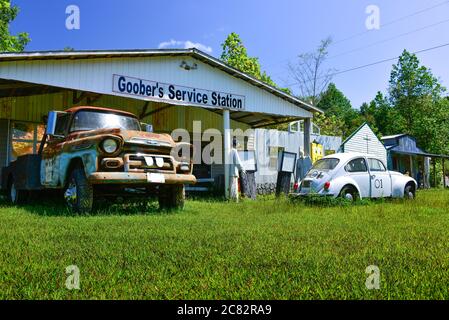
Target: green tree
409 82
335 104
8 42
235 54
416 95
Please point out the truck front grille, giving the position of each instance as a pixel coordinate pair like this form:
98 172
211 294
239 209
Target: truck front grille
149 163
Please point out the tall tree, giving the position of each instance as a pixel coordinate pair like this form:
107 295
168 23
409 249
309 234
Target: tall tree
8 42
335 104
308 73
409 82
235 54
417 96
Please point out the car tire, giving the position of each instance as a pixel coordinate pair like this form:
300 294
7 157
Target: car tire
349 193
16 196
78 193
409 192
171 197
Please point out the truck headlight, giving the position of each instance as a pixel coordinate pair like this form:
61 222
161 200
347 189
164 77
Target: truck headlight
109 145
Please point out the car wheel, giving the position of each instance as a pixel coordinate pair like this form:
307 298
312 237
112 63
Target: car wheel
409 192
349 193
79 192
171 196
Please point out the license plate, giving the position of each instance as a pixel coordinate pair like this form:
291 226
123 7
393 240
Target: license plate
155 177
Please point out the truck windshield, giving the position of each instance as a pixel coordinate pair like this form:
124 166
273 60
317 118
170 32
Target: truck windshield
326 164
93 120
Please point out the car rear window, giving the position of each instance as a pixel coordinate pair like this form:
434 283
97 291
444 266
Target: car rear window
326 164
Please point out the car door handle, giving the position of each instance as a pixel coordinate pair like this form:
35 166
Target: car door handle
373 176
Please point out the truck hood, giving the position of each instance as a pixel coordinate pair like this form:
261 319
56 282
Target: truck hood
128 136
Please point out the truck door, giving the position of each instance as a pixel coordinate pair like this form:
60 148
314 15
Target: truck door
51 153
380 179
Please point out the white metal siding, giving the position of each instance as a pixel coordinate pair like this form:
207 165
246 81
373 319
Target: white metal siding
374 146
96 75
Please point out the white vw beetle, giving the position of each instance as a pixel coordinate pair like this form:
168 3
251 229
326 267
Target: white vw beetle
354 176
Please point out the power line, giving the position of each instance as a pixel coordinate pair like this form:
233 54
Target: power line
373 63
384 25
380 42
393 21
389 39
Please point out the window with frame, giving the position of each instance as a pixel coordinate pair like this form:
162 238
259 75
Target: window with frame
356 165
25 139
376 165
273 154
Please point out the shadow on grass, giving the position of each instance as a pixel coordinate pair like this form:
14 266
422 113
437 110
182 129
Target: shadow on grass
54 207
318 201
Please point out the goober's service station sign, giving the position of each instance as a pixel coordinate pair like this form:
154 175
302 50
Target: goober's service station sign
158 91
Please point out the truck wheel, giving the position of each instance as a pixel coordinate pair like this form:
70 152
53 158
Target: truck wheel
349 193
79 193
171 196
16 196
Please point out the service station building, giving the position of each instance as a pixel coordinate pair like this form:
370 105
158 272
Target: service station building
169 89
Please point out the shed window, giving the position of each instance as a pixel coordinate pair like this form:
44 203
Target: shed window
25 138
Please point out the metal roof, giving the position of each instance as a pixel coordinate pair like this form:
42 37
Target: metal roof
194 53
393 136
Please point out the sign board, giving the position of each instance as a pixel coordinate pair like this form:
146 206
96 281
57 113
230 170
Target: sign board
248 159
288 162
166 92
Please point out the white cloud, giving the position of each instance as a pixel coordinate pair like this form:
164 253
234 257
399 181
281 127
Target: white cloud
184 44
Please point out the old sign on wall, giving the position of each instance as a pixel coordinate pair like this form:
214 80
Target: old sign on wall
158 91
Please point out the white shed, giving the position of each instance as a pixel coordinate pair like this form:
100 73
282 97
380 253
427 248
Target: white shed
364 140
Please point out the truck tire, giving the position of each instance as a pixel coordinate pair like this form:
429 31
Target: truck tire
16 196
79 193
171 197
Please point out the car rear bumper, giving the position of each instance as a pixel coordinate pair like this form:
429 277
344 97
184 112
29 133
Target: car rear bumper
139 178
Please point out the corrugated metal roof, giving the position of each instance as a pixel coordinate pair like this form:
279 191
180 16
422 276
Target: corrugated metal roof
393 136
195 53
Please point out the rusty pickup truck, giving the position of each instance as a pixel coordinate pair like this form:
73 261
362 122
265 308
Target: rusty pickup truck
92 152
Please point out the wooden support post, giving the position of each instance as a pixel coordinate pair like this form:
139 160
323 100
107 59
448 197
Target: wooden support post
434 173
444 174
307 142
227 150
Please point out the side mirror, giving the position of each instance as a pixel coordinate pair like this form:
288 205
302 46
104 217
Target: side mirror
52 122
147 127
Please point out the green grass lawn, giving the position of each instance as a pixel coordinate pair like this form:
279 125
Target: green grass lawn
267 249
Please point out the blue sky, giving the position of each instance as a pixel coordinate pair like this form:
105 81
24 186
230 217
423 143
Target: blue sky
275 31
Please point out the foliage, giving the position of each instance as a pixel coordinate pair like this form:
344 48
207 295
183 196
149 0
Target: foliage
264 249
337 106
415 105
311 80
235 54
8 42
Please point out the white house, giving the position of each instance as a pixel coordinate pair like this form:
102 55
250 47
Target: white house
364 140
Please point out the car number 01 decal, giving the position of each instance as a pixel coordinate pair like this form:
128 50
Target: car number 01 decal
378 183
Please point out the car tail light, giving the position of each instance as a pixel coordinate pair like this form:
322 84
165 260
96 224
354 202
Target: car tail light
296 186
327 185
